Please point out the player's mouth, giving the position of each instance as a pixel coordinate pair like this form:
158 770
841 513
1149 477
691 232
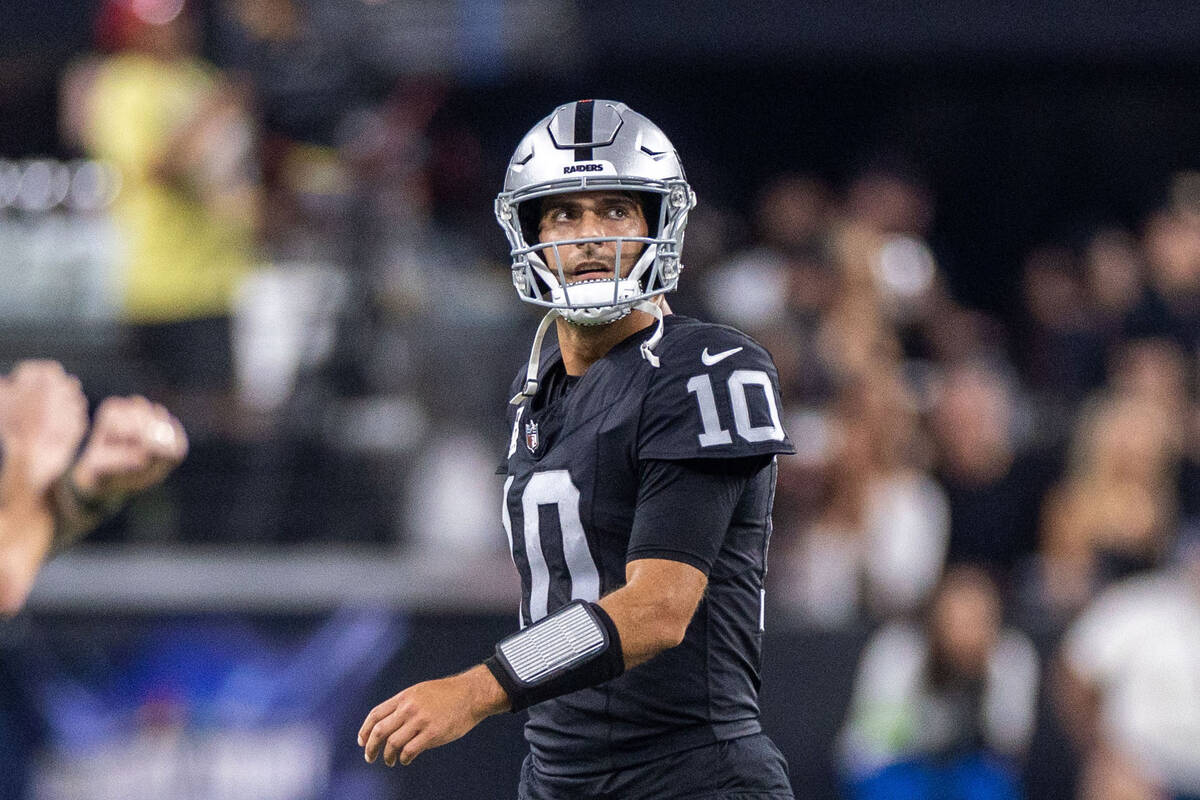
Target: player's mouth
591 269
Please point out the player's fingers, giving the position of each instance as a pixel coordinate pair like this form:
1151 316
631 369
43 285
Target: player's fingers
416 745
37 369
379 734
115 419
180 440
165 437
122 462
375 740
46 379
373 716
131 426
123 414
399 741
72 406
58 390
364 730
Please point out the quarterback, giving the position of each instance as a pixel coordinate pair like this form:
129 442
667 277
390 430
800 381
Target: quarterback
637 502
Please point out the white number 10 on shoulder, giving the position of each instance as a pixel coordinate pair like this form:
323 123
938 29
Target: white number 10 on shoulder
714 432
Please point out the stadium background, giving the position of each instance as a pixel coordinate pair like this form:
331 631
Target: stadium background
962 229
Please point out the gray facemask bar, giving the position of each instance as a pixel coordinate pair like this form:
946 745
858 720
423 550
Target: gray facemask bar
664 250
651 285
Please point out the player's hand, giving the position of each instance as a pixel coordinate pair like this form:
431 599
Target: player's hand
134 444
43 416
429 715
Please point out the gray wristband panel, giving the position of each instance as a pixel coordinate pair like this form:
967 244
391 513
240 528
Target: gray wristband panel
554 644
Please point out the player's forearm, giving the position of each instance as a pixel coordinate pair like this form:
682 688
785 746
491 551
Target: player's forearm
645 631
78 508
26 533
654 608
71 521
584 644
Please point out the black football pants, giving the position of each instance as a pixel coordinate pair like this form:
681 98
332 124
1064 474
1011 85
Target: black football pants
748 768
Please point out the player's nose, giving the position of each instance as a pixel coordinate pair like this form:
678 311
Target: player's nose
590 224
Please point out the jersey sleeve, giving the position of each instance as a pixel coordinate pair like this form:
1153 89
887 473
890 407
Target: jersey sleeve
684 508
714 395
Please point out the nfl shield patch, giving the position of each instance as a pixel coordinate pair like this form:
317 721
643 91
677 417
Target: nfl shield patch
531 436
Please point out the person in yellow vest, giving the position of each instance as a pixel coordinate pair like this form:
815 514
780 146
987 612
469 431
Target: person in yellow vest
182 138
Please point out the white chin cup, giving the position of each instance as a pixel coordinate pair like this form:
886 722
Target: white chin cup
591 302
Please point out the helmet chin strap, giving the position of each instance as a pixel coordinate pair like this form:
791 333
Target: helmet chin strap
647 347
535 353
535 356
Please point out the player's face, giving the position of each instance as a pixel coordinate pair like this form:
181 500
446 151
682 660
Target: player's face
581 215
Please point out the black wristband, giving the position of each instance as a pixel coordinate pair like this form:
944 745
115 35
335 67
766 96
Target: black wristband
602 662
90 504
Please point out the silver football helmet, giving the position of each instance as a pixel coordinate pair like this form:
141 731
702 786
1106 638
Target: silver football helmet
593 145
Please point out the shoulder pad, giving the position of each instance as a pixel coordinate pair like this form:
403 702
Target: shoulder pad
714 395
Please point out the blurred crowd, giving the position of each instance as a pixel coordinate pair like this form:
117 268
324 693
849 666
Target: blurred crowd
1007 506
986 493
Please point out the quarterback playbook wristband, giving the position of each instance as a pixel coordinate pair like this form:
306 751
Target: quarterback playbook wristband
573 648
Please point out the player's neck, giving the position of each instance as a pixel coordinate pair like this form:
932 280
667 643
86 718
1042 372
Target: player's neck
584 345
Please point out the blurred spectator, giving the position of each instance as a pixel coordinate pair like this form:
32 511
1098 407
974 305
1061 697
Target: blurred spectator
1155 372
786 273
1114 269
944 709
1063 353
307 68
1171 240
1130 686
1110 515
285 313
881 247
879 543
429 297
890 197
855 336
994 489
714 231
184 141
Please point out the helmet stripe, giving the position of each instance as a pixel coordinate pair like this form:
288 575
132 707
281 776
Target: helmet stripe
584 112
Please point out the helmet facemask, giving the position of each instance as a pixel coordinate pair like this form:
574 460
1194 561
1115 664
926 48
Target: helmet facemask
603 300
595 145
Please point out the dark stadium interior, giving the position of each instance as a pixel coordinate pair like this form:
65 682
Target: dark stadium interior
1035 172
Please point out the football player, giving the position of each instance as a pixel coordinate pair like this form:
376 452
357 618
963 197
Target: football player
640 480
49 497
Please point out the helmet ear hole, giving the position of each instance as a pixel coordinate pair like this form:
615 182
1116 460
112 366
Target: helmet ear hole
652 208
529 216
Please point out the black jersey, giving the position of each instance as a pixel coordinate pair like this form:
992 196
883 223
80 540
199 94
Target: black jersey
574 463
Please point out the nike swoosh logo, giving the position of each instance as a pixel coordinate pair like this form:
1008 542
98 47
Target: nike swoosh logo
708 360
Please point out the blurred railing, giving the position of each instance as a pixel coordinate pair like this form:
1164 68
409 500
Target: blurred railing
298 580
59 252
